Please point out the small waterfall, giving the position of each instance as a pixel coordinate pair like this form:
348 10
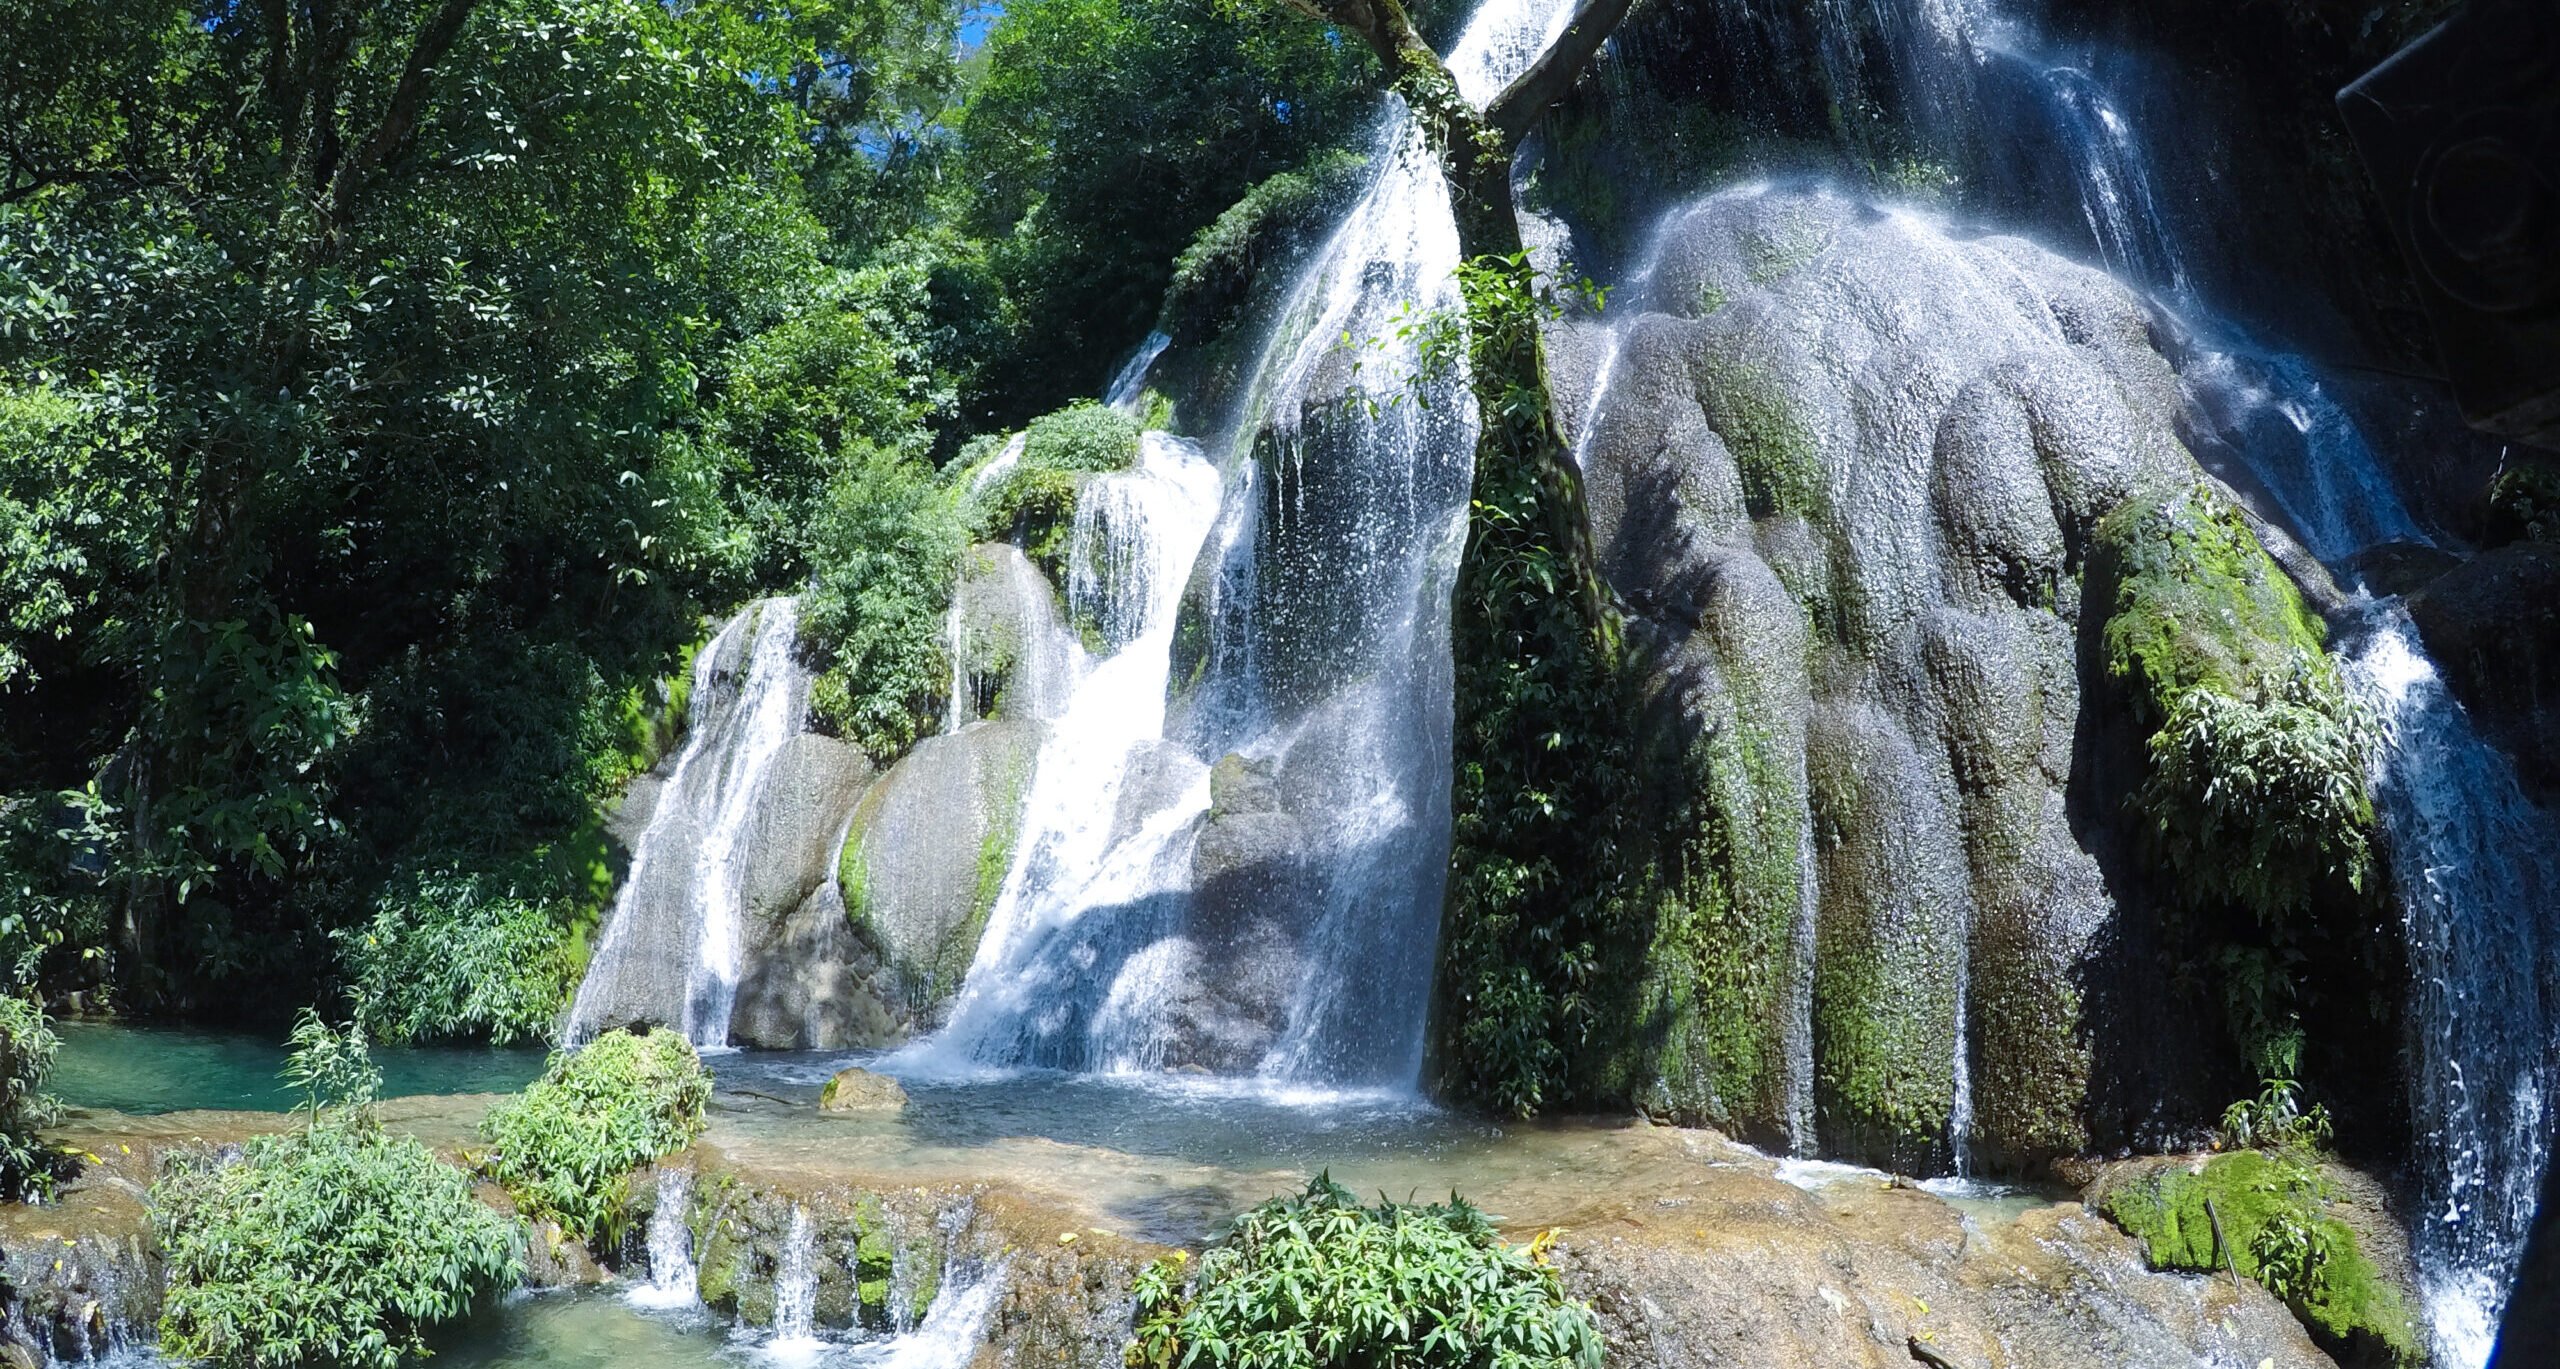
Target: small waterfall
1128 387
795 1287
2479 881
776 698
1137 533
672 1276
669 952
953 1325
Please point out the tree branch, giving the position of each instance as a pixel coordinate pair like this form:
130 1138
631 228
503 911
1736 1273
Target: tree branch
408 101
1553 74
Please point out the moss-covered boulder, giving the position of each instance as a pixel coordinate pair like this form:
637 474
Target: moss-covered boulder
2257 790
2266 1216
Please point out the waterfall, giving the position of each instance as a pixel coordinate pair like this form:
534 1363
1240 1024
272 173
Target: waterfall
672 1275
795 1287
2478 868
1316 663
669 952
1128 386
953 1325
1137 533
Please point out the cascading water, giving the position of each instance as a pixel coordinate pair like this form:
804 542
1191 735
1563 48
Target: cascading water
2479 882
672 1276
1316 664
1136 536
795 1288
670 948
2477 865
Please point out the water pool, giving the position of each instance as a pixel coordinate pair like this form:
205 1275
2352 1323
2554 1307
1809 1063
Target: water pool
155 1069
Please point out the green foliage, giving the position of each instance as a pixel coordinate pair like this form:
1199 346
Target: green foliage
886 544
28 1167
567 1145
1082 437
2275 1120
456 955
1318 1280
1545 768
2524 502
2273 1211
2262 799
334 1069
337 1245
2255 800
333 1245
1102 136
1258 235
339 455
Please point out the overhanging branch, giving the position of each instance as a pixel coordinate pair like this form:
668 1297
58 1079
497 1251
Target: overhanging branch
1553 74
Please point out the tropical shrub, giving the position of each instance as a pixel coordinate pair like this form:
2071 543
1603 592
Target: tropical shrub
1319 1280
27 1167
568 1143
1084 436
335 1245
458 955
886 546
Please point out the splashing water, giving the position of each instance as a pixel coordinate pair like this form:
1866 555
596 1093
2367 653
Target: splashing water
1137 533
1130 386
672 1276
795 1290
2478 868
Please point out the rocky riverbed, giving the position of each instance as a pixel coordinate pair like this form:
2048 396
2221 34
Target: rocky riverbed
1694 1250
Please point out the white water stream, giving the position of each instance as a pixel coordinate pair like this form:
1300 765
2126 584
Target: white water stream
675 927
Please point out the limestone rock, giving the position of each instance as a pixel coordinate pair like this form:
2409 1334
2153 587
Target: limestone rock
927 854
1846 468
859 1090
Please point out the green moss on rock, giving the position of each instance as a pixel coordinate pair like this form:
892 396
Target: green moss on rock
2276 1228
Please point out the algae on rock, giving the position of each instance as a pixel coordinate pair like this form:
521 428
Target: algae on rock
2264 1215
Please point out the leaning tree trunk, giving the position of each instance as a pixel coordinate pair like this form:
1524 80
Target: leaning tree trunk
1544 758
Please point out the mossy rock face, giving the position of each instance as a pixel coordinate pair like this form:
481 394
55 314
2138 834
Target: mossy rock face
2275 1227
2255 798
2195 603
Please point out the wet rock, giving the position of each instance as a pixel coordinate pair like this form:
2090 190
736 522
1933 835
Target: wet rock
1016 650
2400 567
1846 469
2493 626
859 1090
927 854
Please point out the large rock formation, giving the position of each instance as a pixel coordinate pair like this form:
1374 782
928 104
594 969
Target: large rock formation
881 930
1851 472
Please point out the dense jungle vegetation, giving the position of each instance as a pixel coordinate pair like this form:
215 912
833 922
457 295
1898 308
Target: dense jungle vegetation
389 388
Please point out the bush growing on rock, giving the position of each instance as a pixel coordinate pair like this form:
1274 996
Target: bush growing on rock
1319 1280
334 1245
886 546
567 1145
27 1046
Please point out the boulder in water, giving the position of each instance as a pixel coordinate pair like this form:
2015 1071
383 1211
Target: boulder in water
860 1090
